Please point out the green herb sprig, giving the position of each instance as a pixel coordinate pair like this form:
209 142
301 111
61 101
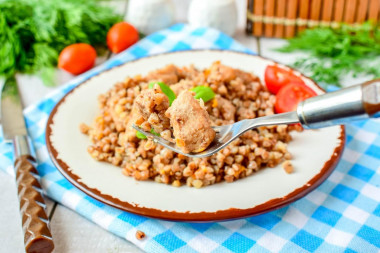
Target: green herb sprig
165 89
33 32
334 53
143 136
140 135
203 92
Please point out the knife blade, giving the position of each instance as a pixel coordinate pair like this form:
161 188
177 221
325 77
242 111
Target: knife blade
35 222
2 81
12 118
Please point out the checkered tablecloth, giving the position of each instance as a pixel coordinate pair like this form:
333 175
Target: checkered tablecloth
342 215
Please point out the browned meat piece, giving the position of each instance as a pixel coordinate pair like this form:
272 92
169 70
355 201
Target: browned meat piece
182 86
151 105
226 108
192 74
219 72
191 123
168 75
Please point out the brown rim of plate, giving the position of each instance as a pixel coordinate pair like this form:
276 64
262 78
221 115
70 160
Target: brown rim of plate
220 215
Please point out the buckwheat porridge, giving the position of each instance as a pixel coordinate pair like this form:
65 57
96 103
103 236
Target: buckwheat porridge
181 104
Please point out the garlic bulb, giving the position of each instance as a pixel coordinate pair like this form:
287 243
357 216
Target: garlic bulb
219 14
149 16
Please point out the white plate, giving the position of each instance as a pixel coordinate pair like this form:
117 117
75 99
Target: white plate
316 153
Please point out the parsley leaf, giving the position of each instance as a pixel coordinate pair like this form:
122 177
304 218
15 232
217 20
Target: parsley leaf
203 92
334 53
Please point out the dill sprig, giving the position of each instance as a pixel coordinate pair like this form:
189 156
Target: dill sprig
33 32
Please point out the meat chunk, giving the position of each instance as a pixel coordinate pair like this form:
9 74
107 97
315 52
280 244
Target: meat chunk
151 106
219 72
168 75
182 86
226 108
191 123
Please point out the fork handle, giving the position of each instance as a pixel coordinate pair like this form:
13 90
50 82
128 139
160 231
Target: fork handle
336 108
35 222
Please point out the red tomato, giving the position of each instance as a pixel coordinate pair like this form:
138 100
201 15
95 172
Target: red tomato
77 58
276 78
121 36
290 95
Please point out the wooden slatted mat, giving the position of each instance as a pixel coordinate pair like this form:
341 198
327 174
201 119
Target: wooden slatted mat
285 18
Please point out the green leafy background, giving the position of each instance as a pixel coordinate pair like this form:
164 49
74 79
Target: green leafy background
335 53
33 32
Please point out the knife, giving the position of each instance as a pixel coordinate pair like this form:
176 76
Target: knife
35 222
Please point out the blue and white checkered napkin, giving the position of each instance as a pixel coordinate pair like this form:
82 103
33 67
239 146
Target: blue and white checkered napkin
343 214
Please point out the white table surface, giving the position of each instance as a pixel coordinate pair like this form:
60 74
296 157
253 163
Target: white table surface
71 232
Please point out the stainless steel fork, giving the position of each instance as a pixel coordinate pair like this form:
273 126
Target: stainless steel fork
335 108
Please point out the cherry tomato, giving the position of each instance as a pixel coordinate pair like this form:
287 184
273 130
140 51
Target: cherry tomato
121 36
290 95
77 58
276 78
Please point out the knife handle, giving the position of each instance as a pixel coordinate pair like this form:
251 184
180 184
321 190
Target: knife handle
35 223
